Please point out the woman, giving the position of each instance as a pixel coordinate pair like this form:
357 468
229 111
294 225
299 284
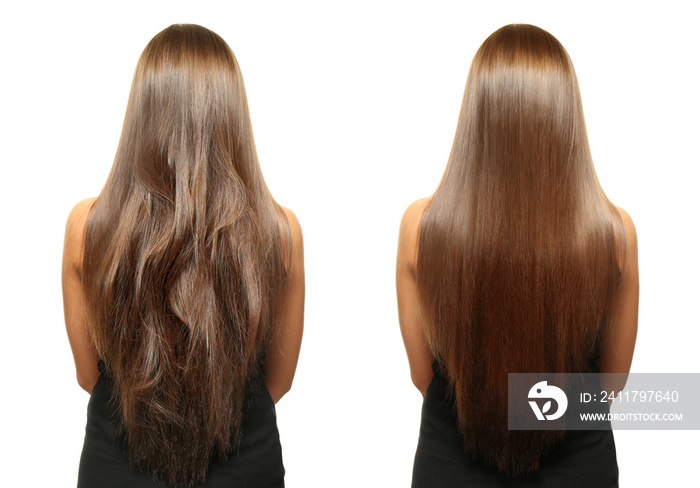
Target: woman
518 263
183 284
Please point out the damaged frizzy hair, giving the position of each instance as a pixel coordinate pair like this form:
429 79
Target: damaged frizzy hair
185 257
520 251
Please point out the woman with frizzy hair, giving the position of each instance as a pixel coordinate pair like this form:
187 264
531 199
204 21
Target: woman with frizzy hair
183 284
518 263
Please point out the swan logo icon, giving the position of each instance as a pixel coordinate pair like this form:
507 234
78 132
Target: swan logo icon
543 390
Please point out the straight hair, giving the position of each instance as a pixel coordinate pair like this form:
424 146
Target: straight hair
520 251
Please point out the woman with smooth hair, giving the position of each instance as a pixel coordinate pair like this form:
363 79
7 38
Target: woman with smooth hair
518 263
183 284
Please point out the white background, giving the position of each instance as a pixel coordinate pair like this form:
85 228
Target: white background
354 108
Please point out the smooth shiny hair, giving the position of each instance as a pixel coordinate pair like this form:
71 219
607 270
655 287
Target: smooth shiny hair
185 257
520 251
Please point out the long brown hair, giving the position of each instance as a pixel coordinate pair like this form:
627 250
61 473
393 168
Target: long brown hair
520 251
185 257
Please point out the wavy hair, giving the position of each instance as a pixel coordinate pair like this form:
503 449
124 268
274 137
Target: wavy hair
520 251
185 256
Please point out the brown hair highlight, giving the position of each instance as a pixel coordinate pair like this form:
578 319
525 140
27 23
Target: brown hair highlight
520 250
185 257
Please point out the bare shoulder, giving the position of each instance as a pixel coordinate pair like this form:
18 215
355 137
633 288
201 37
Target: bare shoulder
630 229
409 233
292 219
411 220
77 218
80 211
74 239
297 264
294 226
627 221
630 261
414 212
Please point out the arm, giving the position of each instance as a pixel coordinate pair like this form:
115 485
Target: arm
419 356
283 352
84 353
618 347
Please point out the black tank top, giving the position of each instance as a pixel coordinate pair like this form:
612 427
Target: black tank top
586 458
105 463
